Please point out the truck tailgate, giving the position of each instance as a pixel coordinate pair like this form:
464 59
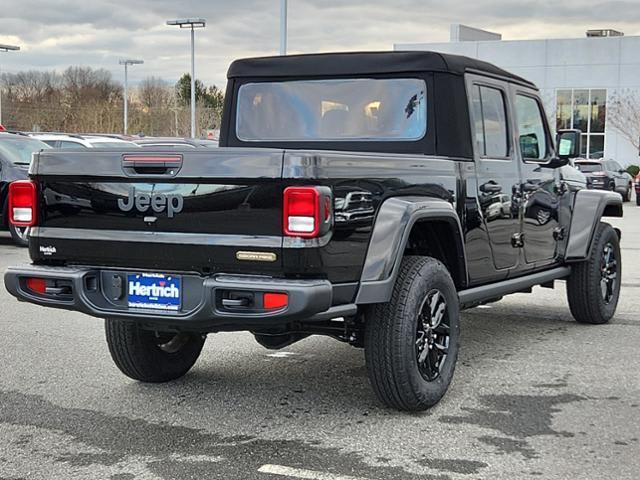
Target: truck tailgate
187 210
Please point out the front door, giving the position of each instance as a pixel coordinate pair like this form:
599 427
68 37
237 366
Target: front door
541 189
497 170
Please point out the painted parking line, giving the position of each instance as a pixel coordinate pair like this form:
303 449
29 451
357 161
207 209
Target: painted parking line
304 474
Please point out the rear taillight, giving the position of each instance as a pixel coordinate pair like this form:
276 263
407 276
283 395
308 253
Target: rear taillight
22 203
301 211
307 211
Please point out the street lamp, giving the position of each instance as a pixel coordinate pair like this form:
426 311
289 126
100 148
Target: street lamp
191 23
5 48
126 63
283 27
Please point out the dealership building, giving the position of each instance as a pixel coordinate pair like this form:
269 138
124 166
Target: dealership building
590 83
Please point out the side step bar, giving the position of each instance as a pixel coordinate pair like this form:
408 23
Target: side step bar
477 295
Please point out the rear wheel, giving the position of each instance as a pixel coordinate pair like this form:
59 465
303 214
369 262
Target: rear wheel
19 235
593 287
150 356
411 342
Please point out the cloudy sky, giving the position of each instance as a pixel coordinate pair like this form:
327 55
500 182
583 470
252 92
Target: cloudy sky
54 34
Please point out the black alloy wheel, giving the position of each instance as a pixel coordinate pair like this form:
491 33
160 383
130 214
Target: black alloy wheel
432 335
609 274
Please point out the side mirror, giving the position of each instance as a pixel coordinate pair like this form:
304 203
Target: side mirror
556 162
568 143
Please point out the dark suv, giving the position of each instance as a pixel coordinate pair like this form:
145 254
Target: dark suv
606 175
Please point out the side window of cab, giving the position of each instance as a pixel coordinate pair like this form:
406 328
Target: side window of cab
532 133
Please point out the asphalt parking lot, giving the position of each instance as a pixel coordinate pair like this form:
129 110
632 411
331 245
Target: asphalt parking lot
535 396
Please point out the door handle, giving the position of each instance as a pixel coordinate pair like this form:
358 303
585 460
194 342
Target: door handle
490 187
156 165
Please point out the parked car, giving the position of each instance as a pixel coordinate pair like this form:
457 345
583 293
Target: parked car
606 175
402 153
176 142
637 183
82 141
15 156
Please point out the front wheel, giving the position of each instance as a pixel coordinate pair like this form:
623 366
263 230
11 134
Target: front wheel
626 195
593 288
150 356
411 342
19 235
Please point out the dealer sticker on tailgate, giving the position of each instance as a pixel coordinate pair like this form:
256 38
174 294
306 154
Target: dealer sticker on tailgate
154 291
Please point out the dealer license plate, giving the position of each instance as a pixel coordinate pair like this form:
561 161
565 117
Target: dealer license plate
154 291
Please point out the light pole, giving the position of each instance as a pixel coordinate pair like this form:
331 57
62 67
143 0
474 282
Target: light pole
191 23
283 27
5 48
126 63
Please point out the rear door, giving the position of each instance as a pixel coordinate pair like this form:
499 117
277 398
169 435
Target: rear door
498 173
541 188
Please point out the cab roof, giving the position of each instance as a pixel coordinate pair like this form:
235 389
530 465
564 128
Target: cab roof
364 63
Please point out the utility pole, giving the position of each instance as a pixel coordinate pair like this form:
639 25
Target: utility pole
191 23
5 48
126 64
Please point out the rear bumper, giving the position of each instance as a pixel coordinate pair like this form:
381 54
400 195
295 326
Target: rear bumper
91 291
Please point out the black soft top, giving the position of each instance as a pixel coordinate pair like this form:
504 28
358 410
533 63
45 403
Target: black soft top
364 63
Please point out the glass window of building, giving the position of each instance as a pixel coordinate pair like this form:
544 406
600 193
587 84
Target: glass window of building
585 109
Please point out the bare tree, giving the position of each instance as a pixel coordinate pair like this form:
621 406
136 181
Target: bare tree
86 100
153 92
623 114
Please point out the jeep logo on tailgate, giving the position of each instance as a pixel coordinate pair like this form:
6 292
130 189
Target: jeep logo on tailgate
159 202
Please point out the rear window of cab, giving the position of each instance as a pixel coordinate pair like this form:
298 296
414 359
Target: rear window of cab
332 110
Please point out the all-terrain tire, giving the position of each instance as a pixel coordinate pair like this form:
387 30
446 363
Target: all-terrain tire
20 236
588 292
392 336
150 356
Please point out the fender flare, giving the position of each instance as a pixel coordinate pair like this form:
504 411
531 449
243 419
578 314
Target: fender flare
394 222
589 206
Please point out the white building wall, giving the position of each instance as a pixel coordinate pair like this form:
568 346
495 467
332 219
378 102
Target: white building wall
610 62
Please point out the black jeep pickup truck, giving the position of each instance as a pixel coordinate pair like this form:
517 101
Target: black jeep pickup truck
365 196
